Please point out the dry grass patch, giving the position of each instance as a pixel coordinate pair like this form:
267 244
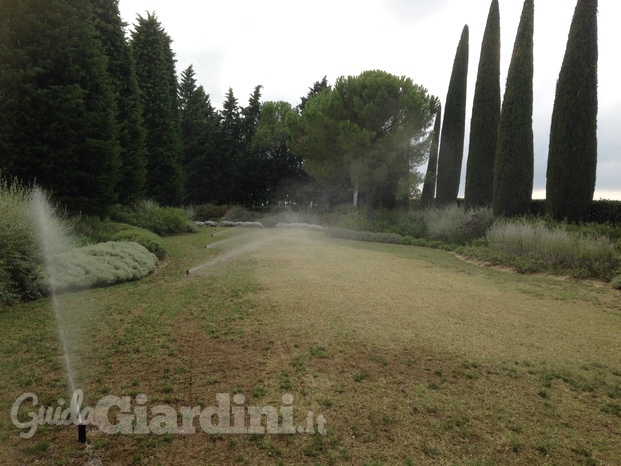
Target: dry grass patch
413 357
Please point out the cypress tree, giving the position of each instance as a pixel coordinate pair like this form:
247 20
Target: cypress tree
58 123
122 71
572 158
514 164
485 116
429 187
157 81
454 127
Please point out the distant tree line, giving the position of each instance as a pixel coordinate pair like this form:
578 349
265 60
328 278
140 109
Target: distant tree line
98 118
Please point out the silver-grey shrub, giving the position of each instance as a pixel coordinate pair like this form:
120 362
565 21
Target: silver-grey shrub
100 264
456 223
554 245
20 258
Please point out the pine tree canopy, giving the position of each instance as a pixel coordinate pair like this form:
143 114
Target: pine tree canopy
368 127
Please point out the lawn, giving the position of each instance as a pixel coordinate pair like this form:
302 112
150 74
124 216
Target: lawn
411 355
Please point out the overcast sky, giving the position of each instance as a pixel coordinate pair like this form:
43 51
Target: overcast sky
287 45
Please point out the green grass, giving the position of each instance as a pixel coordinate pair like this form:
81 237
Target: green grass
412 356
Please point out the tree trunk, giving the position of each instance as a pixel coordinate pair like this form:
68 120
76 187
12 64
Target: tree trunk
370 199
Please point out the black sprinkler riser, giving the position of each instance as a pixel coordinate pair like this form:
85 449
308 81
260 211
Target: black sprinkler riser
82 433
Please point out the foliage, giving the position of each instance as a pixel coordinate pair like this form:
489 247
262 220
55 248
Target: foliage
291 216
201 133
248 164
57 112
454 126
456 223
514 163
603 211
231 145
152 242
122 71
572 158
240 214
313 91
335 232
368 129
150 216
101 264
157 81
485 116
403 222
616 282
20 259
277 172
425 243
92 230
208 211
553 247
429 187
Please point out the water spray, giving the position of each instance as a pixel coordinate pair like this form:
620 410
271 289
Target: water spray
239 245
52 239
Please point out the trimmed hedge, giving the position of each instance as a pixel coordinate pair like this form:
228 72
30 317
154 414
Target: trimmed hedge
602 211
390 238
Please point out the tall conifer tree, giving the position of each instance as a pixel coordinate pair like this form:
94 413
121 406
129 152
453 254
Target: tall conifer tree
514 165
572 159
429 187
231 145
157 81
200 131
485 116
58 113
453 127
122 70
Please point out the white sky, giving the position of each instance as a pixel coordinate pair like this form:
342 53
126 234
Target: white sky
287 45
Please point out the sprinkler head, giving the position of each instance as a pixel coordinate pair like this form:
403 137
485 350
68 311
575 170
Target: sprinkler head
187 272
82 433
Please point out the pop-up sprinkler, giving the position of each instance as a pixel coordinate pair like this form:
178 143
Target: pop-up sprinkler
82 433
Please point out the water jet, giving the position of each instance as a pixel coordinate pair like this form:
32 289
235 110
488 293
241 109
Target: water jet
53 239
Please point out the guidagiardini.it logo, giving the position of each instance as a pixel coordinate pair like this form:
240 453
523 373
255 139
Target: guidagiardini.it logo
122 415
